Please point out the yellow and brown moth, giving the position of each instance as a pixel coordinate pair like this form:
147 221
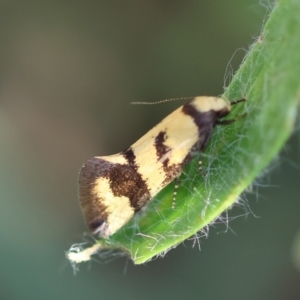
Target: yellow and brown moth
113 188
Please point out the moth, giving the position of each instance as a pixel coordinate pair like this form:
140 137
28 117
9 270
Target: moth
113 188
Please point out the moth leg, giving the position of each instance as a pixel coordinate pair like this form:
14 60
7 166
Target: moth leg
200 167
176 185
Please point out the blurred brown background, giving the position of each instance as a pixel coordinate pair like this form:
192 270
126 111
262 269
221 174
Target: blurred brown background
68 71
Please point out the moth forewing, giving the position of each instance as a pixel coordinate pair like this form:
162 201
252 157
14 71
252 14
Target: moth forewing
113 188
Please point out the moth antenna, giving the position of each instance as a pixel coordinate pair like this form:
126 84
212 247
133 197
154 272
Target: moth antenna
163 101
238 101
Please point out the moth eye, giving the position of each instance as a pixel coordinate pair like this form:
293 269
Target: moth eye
97 225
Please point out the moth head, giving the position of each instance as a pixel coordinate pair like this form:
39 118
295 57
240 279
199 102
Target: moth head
219 105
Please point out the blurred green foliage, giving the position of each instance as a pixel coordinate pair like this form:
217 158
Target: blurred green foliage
68 71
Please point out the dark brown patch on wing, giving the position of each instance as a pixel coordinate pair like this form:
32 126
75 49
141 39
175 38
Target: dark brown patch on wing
125 180
161 148
92 207
129 156
170 171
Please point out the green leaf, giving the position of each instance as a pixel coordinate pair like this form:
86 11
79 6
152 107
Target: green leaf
269 78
